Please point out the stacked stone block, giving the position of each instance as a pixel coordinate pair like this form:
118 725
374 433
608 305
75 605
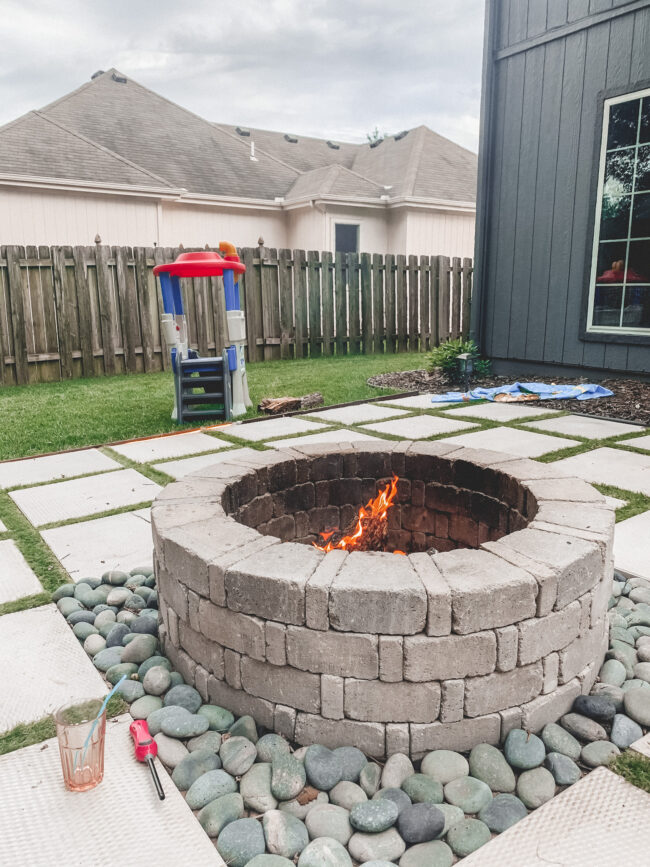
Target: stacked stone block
391 653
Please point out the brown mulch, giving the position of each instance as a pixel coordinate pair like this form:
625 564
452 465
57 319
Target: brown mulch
630 402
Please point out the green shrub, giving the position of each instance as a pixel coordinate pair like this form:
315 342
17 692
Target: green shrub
445 357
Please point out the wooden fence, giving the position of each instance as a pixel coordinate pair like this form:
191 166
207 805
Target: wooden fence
67 312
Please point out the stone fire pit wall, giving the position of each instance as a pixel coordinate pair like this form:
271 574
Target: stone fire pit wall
503 628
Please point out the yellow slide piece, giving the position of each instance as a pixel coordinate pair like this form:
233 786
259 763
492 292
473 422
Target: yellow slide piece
228 249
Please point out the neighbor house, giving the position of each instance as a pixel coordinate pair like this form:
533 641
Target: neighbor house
116 160
562 281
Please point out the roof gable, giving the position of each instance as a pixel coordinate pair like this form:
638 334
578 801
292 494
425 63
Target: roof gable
334 181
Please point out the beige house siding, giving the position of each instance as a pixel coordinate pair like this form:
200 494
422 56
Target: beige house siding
447 233
197 225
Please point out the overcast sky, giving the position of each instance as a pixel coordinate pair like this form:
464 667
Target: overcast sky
328 68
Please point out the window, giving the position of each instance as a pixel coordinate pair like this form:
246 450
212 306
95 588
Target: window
346 238
619 297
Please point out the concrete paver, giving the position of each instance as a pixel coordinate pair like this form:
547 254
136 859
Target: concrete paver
495 411
43 666
419 426
44 825
330 436
513 441
175 446
93 547
416 401
33 471
185 466
358 414
608 466
274 427
78 498
639 442
601 821
584 426
3 527
632 545
16 577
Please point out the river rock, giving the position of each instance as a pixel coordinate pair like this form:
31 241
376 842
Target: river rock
255 788
599 753
145 625
451 815
125 617
435 854
634 683
81 617
324 852
104 617
301 811
423 789
327 820
153 662
346 794
270 746
193 766
558 740
157 680
142 707
565 771
370 778
596 707
535 787
353 761
625 731
108 657
371 817
115 577
387 846
245 727
524 750
615 693
209 787
220 812
468 793
115 672
82 630
240 841
118 596
65 590
467 836
288 775
207 741
285 835
183 696
141 648
324 769
130 690
397 768
170 750
420 823
503 811
219 719
180 723
612 672
94 644
583 728
267 860
237 755
117 633
444 766
488 764
398 796
68 604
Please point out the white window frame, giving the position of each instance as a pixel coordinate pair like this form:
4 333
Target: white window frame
609 329
337 222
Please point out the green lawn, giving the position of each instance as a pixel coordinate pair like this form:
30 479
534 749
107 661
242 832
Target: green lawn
50 417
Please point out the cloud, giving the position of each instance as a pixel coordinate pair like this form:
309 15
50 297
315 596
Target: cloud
333 68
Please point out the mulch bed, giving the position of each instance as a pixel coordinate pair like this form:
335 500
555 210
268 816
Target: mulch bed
630 402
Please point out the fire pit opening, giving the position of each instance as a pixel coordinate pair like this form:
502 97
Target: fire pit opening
493 618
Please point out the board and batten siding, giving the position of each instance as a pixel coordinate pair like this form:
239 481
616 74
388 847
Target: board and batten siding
547 64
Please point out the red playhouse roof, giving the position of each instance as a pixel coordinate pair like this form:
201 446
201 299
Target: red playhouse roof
201 264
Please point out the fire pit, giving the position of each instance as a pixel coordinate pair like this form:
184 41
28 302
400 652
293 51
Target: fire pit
492 618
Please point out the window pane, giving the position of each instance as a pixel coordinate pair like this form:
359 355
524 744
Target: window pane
638 266
642 180
615 217
645 120
611 263
623 120
641 217
347 238
636 313
619 171
607 305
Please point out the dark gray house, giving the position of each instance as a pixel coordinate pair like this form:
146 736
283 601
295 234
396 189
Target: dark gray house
563 210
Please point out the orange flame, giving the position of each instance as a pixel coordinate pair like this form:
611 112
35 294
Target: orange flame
376 509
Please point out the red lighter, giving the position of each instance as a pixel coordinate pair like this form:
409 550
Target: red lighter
145 750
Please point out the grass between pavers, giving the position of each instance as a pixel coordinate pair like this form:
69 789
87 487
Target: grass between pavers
26 734
54 416
634 768
636 503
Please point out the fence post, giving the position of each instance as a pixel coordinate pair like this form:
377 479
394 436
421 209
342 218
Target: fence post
253 306
17 313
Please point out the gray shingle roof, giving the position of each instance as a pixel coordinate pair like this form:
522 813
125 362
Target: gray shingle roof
114 130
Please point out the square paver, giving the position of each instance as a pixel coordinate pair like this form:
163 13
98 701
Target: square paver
416 401
273 427
638 442
615 503
32 471
585 426
607 466
601 821
43 666
513 441
3 527
185 466
632 545
174 446
642 746
495 411
330 436
80 497
93 547
74 829
16 577
419 427
362 412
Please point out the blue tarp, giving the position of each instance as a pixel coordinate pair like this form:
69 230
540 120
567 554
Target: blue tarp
545 392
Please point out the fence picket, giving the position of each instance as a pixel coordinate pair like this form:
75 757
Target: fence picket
467 295
456 293
313 284
353 295
389 288
286 303
366 302
443 298
84 312
401 303
340 303
17 311
300 301
413 341
327 289
61 302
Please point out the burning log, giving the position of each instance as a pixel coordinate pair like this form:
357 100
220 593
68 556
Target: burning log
277 405
369 530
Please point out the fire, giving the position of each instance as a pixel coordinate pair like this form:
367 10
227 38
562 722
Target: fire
370 521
